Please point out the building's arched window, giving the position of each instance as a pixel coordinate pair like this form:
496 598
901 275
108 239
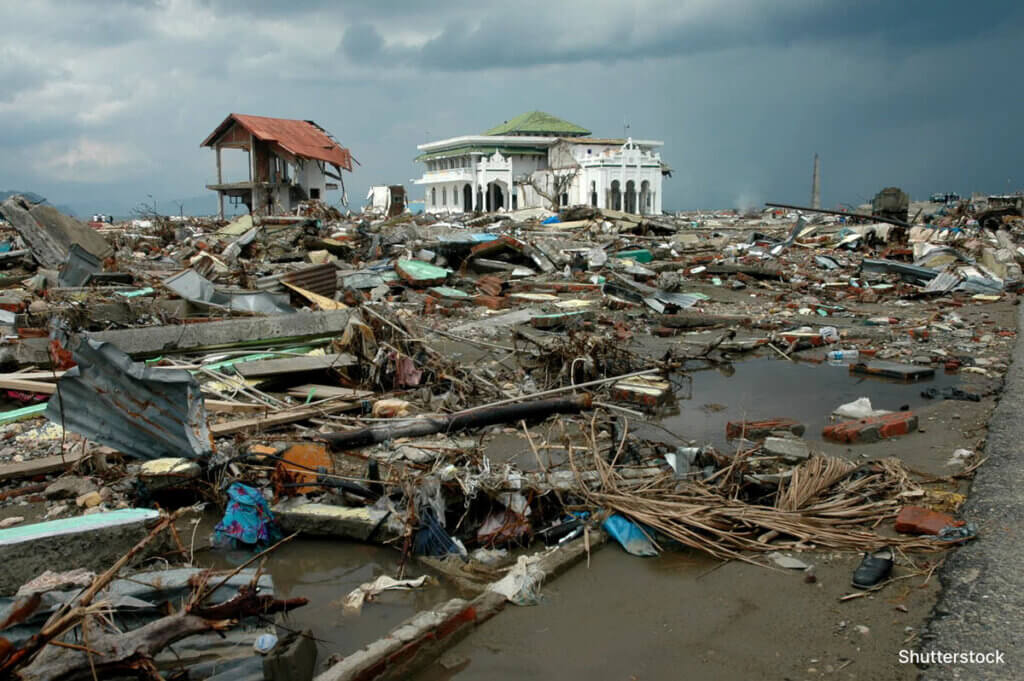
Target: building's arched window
433 196
444 196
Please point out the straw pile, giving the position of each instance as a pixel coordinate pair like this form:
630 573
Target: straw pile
828 503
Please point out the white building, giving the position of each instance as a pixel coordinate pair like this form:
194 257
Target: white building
538 160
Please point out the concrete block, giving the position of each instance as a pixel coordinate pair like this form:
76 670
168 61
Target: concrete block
335 521
788 448
94 542
169 472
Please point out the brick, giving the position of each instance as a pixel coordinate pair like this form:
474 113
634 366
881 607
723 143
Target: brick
920 520
872 429
491 302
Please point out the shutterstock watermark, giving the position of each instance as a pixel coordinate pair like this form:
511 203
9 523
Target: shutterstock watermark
948 657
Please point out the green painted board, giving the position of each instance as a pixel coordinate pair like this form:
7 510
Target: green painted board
24 412
448 292
82 523
638 254
133 294
420 272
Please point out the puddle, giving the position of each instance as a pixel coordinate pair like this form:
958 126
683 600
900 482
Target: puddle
608 621
770 388
325 571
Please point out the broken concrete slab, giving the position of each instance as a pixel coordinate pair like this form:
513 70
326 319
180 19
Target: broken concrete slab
50 234
360 523
172 339
168 472
790 449
93 541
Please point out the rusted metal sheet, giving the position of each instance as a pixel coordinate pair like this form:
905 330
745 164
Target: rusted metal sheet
140 411
322 279
297 474
303 139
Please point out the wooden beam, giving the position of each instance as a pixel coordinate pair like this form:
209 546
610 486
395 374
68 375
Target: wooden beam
280 418
42 466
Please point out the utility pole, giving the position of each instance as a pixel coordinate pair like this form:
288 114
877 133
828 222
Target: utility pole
816 186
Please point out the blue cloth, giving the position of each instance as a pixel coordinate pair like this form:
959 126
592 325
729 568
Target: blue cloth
247 520
630 535
551 220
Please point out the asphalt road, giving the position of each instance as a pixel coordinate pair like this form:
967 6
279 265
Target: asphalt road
982 604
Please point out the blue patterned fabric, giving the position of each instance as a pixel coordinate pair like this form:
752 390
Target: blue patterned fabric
247 520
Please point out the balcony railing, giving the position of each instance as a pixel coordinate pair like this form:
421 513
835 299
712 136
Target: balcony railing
448 174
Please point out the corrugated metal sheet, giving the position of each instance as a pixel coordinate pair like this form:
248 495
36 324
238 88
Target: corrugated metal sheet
304 139
943 283
140 411
322 279
198 290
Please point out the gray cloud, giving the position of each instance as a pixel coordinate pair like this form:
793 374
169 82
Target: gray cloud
918 94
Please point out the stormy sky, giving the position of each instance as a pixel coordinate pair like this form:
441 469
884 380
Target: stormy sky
103 103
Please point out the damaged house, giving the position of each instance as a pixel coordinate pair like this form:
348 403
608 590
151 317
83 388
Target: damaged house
289 161
539 160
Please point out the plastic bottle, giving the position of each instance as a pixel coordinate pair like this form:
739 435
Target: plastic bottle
843 356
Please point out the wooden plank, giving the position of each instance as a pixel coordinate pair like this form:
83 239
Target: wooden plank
28 386
321 392
51 388
323 302
226 406
263 368
278 419
41 466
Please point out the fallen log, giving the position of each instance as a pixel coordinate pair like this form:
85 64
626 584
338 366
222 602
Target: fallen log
459 421
130 652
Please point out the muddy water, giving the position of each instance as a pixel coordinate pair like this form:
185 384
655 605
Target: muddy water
684 616
325 571
773 388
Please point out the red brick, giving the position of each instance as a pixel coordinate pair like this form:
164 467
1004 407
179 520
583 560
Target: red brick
920 520
872 429
492 302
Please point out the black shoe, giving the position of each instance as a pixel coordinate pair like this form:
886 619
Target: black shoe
873 569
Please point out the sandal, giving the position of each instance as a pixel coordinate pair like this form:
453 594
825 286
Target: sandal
873 569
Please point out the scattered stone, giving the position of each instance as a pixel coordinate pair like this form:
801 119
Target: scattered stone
69 488
89 500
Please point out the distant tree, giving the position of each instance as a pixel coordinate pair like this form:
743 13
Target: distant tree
551 183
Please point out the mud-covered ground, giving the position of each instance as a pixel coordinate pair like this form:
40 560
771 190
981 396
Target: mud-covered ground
683 615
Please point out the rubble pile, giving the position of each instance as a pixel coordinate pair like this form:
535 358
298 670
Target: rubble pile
467 388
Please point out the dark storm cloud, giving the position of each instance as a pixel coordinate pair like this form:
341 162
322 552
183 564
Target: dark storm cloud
18 73
506 39
743 92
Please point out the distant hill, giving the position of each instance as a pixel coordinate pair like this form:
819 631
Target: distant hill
203 205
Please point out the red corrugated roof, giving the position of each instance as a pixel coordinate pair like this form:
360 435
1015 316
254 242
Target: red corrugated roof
304 139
